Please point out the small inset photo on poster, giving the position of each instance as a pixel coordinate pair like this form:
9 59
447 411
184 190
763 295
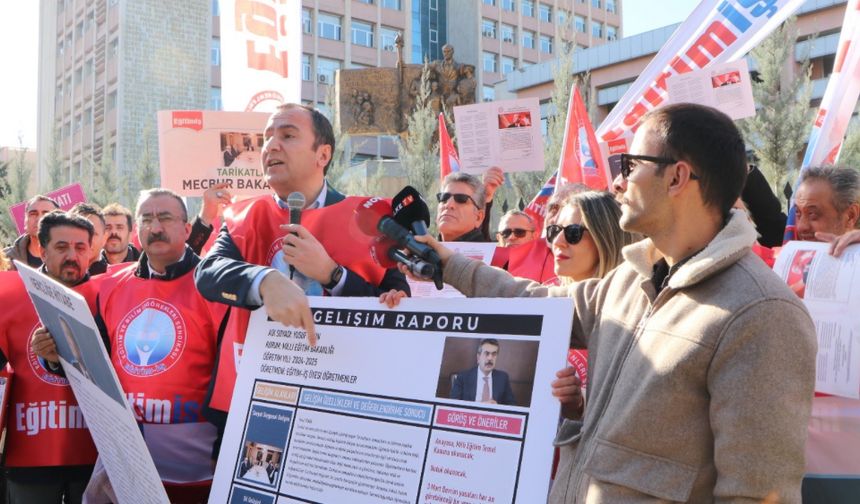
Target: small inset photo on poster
515 120
798 273
242 495
726 79
488 370
262 450
241 150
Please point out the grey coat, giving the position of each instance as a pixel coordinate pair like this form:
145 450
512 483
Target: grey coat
699 394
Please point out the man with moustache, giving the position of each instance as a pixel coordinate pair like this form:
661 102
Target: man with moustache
118 222
161 335
484 383
26 247
50 461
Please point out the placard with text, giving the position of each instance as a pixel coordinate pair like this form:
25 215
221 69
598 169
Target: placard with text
391 405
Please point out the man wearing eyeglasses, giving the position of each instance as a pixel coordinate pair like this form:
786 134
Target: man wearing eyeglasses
161 335
701 360
461 208
515 228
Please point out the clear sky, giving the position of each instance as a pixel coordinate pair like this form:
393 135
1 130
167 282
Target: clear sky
19 52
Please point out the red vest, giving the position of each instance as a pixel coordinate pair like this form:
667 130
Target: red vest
163 338
45 426
254 226
532 260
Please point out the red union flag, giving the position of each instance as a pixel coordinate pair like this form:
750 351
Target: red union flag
580 160
718 31
449 161
261 46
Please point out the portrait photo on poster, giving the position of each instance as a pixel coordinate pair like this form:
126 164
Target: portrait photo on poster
81 347
488 370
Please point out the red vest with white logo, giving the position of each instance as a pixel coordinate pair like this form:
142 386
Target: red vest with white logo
254 226
163 338
45 426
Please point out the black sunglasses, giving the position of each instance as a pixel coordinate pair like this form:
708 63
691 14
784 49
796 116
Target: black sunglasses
626 167
518 232
460 198
572 232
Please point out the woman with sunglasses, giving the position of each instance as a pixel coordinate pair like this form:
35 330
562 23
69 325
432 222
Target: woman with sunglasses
585 237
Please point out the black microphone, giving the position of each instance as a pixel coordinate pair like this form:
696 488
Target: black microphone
385 253
373 213
296 203
410 210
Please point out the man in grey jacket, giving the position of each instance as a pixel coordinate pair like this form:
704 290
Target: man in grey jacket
702 362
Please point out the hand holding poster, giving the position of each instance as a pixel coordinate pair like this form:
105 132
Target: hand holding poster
500 133
390 405
198 149
87 366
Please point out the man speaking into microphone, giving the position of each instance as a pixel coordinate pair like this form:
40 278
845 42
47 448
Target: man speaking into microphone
258 234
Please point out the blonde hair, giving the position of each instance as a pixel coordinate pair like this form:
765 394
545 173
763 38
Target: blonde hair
600 215
5 263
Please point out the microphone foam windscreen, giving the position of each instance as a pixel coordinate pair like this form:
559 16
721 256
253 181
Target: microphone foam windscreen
368 214
296 200
410 207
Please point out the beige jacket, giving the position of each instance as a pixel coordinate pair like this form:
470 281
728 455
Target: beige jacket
699 394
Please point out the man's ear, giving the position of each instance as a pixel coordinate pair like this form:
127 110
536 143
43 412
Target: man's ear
852 214
323 155
680 176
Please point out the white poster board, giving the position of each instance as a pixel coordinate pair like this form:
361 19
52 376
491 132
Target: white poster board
91 375
504 133
726 87
366 415
476 250
198 149
830 289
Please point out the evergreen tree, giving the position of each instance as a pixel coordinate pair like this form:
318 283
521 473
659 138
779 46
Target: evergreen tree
57 175
8 231
21 171
779 130
105 181
147 168
850 154
337 170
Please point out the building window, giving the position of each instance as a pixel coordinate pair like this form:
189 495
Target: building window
387 36
307 24
528 8
111 101
216 8
215 52
562 16
611 33
528 39
579 24
368 2
546 44
61 48
391 4
595 4
508 65
545 13
67 129
77 124
113 48
610 6
362 33
306 67
434 5
79 75
509 5
90 21
89 68
68 88
489 2
490 62
88 116
488 28
328 26
79 30
596 29
326 69
434 36
489 93
509 34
